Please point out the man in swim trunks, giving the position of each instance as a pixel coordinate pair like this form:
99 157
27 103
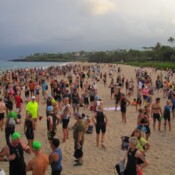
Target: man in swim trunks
156 113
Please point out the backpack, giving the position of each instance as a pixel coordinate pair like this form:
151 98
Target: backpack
125 143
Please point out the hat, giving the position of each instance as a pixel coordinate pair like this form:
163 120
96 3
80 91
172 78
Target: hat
33 97
36 145
79 115
15 136
49 95
50 108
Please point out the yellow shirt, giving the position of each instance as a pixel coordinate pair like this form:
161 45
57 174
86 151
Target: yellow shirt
141 142
32 107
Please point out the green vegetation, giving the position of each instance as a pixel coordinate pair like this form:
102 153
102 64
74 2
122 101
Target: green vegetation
160 56
159 65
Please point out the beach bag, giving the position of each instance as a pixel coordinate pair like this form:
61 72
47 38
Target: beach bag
78 153
120 168
125 143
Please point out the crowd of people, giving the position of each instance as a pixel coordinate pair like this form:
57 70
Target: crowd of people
69 92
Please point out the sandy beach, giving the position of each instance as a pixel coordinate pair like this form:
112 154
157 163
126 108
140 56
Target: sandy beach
98 161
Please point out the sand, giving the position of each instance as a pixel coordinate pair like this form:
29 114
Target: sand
98 161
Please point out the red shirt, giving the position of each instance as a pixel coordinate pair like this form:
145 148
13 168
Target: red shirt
18 101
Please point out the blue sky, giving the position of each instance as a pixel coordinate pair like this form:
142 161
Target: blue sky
30 26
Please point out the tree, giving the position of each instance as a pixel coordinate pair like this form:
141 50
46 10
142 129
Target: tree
171 41
157 46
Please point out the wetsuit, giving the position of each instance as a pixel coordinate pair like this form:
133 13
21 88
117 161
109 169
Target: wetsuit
123 105
18 165
29 131
100 125
131 163
52 133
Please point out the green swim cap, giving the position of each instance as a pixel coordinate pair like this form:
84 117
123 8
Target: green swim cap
15 136
36 145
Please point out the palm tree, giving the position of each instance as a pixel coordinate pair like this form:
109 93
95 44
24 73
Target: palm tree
171 41
157 46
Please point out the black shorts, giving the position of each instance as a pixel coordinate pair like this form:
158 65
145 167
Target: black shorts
32 91
148 131
51 135
86 101
29 135
1 116
167 117
57 172
173 108
156 116
139 101
145 97
101 127
92 98
65 123
123 109
117 101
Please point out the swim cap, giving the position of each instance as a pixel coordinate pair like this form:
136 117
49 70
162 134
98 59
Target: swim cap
50 108
36 145
53 101
15 136
49 95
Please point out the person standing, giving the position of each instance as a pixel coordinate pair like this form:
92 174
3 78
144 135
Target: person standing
2 114
78 135
100 121
132 157
52 121
156 112
167 115
16 148
18 101
29 127
38 165
75 101
117 95
10 124
55 157
65 115
124 102
32 107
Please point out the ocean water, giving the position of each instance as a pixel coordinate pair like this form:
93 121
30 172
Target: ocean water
10 65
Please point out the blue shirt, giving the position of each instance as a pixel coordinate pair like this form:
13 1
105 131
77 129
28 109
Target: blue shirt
57 165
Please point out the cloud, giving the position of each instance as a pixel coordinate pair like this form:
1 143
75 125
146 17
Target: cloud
100 7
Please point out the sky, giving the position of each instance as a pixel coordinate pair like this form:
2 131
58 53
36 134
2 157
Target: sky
52 26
